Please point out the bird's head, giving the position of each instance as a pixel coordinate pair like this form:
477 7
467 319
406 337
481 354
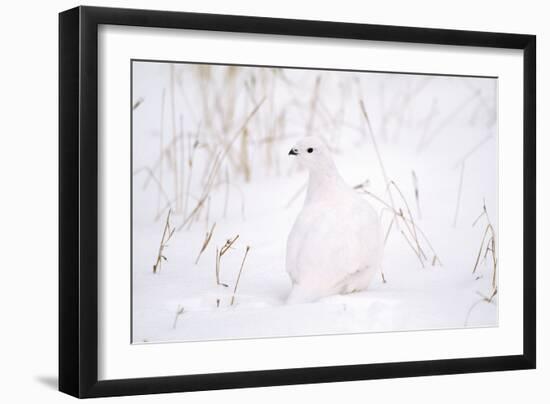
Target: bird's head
313 153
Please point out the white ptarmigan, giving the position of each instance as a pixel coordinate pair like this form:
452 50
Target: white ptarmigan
336 243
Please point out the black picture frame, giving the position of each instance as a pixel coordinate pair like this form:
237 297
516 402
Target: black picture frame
78 200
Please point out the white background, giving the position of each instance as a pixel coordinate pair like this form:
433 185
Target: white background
28 218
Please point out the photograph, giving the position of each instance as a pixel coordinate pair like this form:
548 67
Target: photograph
289 201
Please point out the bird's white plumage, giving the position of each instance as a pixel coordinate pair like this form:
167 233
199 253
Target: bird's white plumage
336 244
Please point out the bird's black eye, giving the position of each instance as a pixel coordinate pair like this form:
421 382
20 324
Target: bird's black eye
310 150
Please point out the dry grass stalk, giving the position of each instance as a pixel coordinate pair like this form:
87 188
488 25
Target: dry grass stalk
228 244
411 220
219 254
228 185
165 152
245 160
414 232
427 140
195 210
416 194
211 177
161 144
413 248
207 219
459 194
313 105
486 299
191 154
476 303
151 176
179 312
161 212
174 150
182 164
389 229
408 222
365 184
226 199
217 266
489 242
378 156
489 298
427 121
473 150
206 241
166 236
399 106
239 276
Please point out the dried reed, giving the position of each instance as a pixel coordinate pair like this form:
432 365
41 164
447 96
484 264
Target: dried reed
215 167
239 276
205 243
488 241
179 312
418 236
220 252
167 234
416 193
378 156
459 194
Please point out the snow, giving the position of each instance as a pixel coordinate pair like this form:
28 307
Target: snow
436 126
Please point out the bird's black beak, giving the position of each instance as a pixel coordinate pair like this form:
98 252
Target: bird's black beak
293 152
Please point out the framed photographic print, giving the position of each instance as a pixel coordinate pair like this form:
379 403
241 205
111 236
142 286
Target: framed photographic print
250 201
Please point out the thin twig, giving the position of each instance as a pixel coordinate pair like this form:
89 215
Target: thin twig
179 312
174 150
416 193
459 194
405 219
161 143
216 165
166 236
468 314
313 106
472 150
489 241
426 140
389 229
219 254
218 266
413 233
239 276
228 244
379 157
207 239
191 155
226 199
412 248
483 299
155 179
485 233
